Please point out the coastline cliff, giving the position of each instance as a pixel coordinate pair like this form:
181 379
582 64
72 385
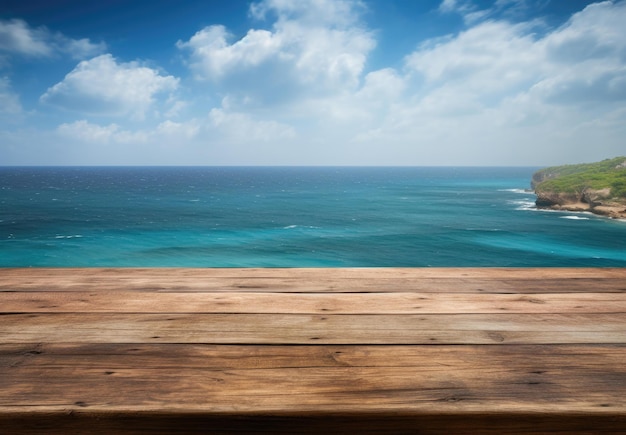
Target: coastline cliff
598 187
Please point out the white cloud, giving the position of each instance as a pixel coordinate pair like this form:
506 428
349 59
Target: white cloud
103 86
214 57
176 107
219 130
80 48
466 8
472 13
597 32
587 57
584 60
498 92
448 6
299 92
315 47
9 100
332 13
17 37
484 63
87 132
242 128
180 130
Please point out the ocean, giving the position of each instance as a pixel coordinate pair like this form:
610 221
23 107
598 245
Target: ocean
292 217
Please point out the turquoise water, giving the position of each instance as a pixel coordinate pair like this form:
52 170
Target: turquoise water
291 217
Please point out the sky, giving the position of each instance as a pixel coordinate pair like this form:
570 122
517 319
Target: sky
312 82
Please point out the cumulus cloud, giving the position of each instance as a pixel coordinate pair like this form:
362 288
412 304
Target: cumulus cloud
314 47
103 86
597 32
17 37
489 55
582 60
498 89
587 57
297 90
80 48
490 90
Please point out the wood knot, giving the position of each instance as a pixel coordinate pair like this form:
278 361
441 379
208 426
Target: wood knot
495 336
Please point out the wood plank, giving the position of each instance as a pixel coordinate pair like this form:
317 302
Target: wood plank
532 358
305 390
261 285
51 280
367 350
318 329
436 400
412 379
321 273
308 303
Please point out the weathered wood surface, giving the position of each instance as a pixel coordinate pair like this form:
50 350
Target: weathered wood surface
311 350
363 280
237 302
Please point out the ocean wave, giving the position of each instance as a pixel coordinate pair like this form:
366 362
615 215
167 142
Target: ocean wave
486 230
520 191
523 205
74 236
581 218
291 227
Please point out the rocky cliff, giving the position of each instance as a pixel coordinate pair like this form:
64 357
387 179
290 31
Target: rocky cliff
596 187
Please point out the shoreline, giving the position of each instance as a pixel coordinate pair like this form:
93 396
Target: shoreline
608 211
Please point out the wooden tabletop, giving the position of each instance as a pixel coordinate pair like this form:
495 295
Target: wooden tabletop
376 350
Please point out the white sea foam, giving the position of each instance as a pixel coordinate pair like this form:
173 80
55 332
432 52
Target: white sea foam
291 227
523 205
521 191
575 218
75 236
486 230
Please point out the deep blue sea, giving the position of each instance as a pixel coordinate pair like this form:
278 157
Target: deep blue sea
291 217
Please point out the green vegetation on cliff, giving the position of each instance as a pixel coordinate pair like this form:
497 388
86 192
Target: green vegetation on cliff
577 179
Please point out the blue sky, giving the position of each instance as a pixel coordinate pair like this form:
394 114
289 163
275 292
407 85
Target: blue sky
312 82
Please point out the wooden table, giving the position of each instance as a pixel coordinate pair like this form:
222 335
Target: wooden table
312 350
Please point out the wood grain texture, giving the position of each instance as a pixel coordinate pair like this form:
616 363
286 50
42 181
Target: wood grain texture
335 379
349 280
237 302
313 329
313 350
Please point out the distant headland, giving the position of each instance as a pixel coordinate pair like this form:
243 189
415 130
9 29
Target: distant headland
598 187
